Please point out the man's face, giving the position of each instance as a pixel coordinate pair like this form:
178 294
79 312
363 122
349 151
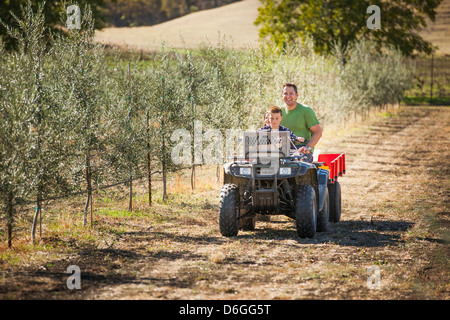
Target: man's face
275 119
289 96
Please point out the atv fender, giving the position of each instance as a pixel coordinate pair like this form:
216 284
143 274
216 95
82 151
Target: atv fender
322 176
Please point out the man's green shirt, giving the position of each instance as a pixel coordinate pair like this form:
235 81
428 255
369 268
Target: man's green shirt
299 120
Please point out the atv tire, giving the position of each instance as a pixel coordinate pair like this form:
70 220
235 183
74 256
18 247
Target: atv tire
306 211
334 191
229 210
324 214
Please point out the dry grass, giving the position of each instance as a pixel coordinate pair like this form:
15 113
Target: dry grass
233 21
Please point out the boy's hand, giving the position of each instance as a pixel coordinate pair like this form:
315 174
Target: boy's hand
300 139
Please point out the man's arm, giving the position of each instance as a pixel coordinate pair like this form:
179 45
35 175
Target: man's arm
316 135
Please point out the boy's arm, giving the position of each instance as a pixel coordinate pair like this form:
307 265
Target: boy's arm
294 137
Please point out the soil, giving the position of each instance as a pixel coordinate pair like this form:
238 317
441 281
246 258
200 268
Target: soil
395 220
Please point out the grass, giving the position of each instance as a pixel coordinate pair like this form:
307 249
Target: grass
437 101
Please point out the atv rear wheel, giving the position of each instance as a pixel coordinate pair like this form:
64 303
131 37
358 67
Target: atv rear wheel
229 210
334 191
324 214
306 211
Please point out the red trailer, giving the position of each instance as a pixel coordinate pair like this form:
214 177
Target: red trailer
335 164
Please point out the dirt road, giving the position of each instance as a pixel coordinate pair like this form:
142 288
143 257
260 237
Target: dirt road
394 233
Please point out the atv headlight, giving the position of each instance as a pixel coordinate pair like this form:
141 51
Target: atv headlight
245 171
285 170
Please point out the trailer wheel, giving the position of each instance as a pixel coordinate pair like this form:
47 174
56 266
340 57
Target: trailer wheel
306 211
324 214
229 210
334 191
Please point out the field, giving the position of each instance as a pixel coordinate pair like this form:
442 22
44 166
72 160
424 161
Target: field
235 23
395 217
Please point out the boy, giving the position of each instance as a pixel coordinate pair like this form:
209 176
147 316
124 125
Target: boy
275 116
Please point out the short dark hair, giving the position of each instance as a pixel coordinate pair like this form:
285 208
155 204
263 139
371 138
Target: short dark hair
276 109
290 84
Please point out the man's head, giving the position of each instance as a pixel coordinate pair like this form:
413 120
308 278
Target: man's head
275 117
290 95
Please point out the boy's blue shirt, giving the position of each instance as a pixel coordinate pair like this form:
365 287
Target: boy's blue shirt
280 128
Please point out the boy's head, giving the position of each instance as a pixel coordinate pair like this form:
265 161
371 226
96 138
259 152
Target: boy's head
275 116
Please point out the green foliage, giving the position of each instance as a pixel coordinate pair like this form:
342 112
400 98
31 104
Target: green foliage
370 77
52 10
125 117
344 22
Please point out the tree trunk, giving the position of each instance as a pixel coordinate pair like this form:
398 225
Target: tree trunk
37 215
10 219
149 171
130 205
89 189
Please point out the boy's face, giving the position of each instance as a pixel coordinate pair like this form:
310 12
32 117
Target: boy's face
274 120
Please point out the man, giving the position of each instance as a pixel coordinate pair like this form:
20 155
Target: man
275 115
301 120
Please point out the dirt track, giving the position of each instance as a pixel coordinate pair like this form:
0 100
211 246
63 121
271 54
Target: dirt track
395 216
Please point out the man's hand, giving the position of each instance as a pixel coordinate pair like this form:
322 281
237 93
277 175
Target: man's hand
301 139
316 135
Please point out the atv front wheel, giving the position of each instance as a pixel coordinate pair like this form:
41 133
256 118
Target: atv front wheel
229 210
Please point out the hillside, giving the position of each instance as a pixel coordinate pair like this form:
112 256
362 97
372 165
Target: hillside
135 13
233 21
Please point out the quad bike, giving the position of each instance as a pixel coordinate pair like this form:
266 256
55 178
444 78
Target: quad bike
271 178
